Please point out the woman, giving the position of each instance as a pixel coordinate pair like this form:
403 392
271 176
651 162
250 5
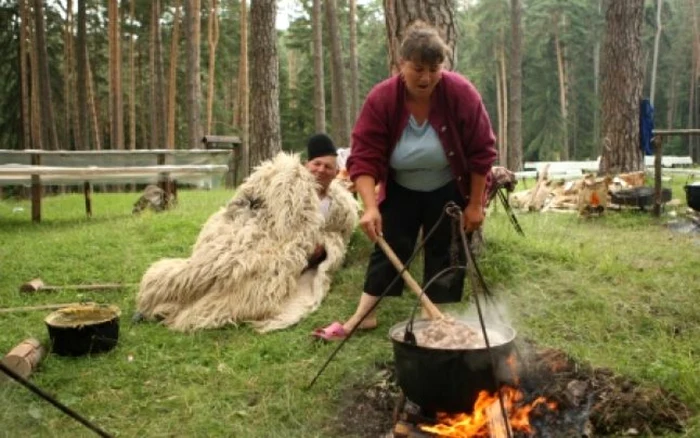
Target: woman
424 136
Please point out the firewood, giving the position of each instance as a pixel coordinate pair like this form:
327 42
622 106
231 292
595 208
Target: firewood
25 357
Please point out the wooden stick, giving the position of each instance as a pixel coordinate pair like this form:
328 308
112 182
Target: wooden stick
37 284
41 307
433 311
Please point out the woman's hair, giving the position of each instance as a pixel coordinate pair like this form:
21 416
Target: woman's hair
422 43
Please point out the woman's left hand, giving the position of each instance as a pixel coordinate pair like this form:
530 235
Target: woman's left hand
473 216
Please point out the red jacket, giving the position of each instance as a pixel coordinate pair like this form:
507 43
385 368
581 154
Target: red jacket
456 113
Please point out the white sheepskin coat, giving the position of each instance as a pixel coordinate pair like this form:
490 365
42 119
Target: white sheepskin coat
248 264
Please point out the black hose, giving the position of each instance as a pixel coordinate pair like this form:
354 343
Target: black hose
68 411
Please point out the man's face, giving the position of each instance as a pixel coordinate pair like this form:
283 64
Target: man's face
324 169
420 78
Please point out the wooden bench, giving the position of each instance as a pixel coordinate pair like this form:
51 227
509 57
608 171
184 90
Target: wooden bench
73 168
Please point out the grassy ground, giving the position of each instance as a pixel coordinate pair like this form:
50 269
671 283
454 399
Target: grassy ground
619 291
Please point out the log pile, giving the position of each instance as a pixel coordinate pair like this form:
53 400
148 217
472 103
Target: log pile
589 194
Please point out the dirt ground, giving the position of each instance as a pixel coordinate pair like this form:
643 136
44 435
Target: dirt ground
612 404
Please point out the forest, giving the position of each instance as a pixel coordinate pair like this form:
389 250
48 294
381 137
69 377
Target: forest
140 74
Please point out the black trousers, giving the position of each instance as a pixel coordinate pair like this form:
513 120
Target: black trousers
404 212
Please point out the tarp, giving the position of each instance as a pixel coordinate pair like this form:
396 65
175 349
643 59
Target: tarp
646 127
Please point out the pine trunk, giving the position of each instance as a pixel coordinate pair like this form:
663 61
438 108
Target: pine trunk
194 91
67 75
354 76
400 14
319 85
82 137
265 138
342 130
172 77
116 110
48 123
25 76
213 39
132 78
504 95
515 120
243 94
93 106
655 58
561 70
622 87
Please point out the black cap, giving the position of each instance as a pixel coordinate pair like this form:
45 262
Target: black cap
320 145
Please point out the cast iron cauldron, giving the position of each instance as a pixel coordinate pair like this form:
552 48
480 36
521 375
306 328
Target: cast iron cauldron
441 380
83 329
692 196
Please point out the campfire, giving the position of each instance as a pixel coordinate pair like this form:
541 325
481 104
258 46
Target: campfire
486 420
554 397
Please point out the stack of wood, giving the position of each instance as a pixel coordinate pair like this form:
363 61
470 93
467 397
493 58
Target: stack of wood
585 195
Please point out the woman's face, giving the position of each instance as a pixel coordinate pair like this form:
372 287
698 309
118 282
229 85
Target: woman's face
420 78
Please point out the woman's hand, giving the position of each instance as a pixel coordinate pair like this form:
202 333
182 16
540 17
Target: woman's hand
371 223
473 216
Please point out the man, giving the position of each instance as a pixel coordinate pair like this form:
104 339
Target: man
322 162
266 258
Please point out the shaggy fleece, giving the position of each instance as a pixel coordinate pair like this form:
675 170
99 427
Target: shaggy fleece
248 263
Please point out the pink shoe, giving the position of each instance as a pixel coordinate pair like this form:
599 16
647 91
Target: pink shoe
334 332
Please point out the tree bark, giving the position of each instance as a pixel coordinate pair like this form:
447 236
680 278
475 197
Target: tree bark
34 90
48 123
354 77
132 77
340 101
265 137
504 94
67 75
563 85
514 159
243 94
319 85
116 110
25 76
596 87
194 92
622 87
213 39
158 110
399 14
502 154
82 137
172 77
93 106
655 59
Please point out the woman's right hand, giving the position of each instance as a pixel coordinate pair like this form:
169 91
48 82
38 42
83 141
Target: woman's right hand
371 223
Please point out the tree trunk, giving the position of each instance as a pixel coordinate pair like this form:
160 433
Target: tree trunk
693 81
342 129
655 59
194 91
172 77
502 154
671 105
116 110
596 87
354 77
504 94
67 75
622 87
48 123
265 135
563 104
515 72
400 14
158 110
243 95
213 39
319 86
93 106
82 137
25 76
132 77
34 91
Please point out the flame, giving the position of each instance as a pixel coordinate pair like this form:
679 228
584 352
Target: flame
487 405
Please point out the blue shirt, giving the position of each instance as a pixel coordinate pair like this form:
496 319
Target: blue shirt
419 160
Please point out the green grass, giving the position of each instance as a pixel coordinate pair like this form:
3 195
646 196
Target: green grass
619 291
